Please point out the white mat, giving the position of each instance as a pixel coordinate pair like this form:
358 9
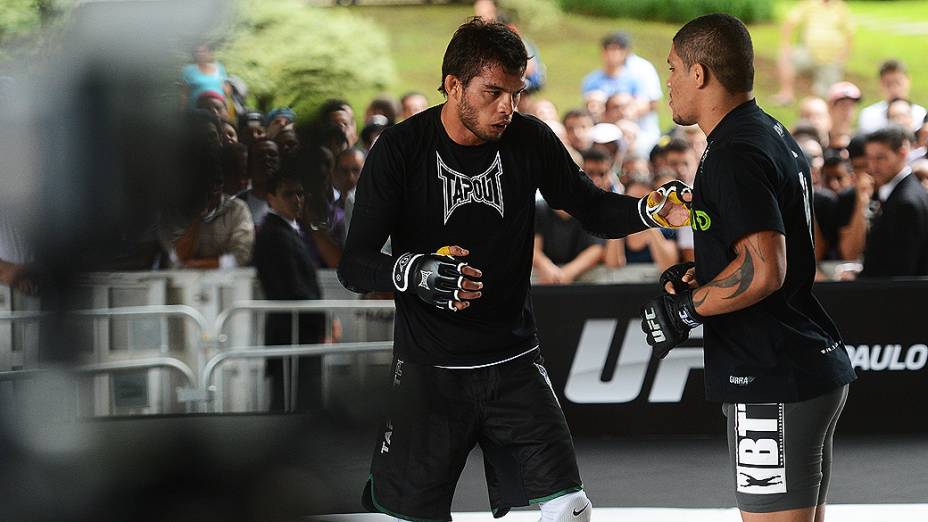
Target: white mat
835 513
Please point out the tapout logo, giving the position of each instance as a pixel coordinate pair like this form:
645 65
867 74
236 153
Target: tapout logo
587 385
461 189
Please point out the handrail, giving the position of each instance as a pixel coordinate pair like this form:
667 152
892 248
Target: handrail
293 308
258 352
159 310
23 315
111 366
123 311
141 363
300 306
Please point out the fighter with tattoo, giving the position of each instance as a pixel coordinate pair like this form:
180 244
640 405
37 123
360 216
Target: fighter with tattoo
773 357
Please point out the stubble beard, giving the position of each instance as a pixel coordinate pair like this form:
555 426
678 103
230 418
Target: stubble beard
469 118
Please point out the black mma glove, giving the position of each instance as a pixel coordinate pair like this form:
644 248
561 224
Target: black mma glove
650 206
667 320
674 276
435 278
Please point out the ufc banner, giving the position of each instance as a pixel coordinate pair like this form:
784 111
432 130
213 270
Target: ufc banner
608 383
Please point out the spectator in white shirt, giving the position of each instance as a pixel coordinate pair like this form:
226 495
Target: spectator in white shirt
895 83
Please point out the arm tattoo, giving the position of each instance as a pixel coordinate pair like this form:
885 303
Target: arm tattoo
745 275
742 277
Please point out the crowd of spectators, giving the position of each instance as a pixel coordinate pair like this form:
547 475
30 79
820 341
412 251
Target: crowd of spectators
870 210
869 172
869 167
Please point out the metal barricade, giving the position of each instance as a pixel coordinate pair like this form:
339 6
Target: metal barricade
211 392
163 312
109 367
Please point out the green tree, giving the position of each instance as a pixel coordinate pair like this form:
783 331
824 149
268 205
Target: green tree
20 21
290 54
750 11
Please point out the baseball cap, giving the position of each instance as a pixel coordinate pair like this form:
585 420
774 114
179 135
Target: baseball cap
286 112
605 133
842 90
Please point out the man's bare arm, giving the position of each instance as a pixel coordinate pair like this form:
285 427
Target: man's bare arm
758 271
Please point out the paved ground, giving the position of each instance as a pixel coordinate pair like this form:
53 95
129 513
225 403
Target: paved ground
288 467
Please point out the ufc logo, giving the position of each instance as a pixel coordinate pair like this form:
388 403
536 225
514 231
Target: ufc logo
586 383
655 328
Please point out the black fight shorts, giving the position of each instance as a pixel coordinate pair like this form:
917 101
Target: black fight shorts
436 416
781 453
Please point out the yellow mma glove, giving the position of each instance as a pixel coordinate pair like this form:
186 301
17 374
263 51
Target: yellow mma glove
668 206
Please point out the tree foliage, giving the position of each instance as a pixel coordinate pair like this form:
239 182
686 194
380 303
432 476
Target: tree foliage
749 11
290 54
20 21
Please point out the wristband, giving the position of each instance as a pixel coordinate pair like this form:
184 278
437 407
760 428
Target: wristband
401 270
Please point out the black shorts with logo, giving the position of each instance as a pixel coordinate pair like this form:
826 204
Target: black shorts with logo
781 452
436 417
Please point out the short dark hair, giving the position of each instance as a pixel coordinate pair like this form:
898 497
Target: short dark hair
677 145
370 131
478 44
723 45
386 106
253 148
805 129
275 181
332 105
196 118
250 116
891 66
657 151
855 147
596 154
893 136
576 113
619 38
834 157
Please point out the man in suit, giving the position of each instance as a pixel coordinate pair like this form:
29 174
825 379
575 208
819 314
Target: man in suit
897 244
286 272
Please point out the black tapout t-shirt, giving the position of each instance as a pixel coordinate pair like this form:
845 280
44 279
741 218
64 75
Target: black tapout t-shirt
753 177
426 191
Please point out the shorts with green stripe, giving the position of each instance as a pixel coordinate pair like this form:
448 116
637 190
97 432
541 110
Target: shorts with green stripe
437 416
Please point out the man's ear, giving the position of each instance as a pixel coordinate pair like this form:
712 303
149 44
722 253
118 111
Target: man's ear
700 75
453 86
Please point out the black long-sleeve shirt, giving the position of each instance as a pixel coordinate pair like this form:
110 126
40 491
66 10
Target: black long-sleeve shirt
425 191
